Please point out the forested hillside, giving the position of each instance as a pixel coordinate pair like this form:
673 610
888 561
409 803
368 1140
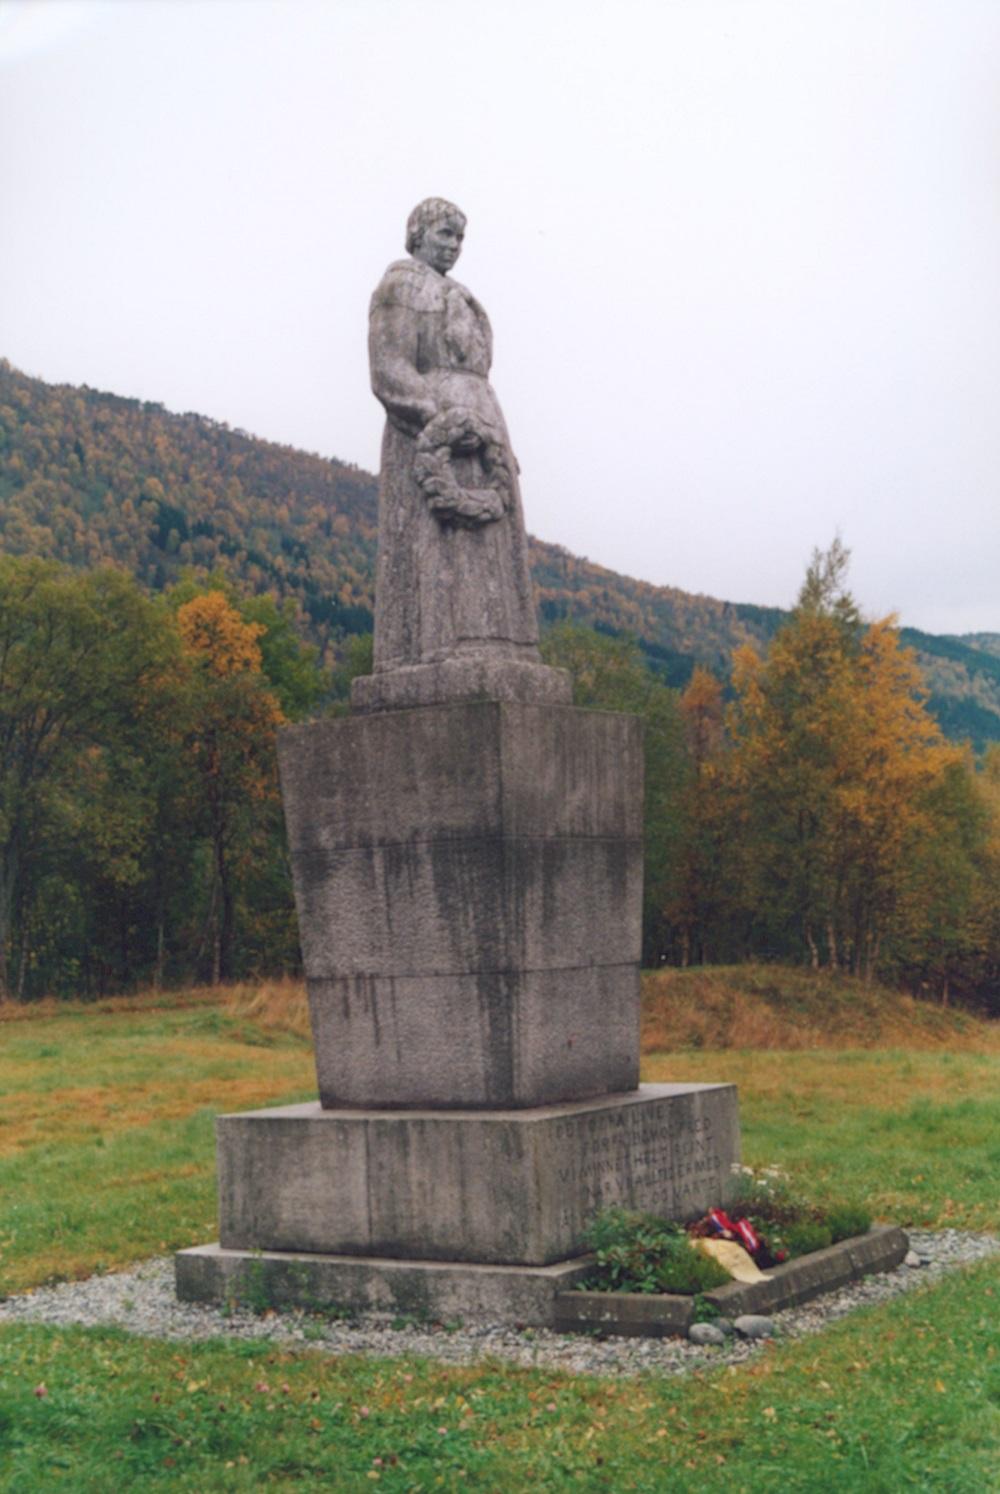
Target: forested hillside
161 582
88 477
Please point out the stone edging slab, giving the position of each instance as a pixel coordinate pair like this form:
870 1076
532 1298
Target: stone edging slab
657 1315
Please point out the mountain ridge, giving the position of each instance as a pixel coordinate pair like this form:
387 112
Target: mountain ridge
88 476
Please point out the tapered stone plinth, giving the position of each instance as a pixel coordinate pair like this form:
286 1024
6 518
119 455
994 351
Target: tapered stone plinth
469 887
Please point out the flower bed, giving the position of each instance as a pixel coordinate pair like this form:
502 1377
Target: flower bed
656 1315
652 1276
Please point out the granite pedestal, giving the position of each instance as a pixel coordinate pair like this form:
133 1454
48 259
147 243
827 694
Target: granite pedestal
468 878
471 1211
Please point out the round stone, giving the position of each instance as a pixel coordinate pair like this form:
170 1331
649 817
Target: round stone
752 1326
706 1333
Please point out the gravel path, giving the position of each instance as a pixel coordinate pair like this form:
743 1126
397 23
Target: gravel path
141 1300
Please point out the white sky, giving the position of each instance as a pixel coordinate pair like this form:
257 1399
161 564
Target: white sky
741 256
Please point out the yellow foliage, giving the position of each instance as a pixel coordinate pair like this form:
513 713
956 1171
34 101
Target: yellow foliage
212 630
837 762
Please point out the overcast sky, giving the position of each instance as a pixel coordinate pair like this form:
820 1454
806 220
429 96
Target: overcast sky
742 257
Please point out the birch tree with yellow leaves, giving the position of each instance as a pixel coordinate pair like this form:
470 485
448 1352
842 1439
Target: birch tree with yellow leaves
837 764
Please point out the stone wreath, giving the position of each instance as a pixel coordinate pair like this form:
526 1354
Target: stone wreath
460 431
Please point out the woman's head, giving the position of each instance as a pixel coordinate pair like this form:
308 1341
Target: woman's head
434 233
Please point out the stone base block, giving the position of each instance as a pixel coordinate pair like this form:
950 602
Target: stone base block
625 1314
542 1296
435 1290
461 679
501 1187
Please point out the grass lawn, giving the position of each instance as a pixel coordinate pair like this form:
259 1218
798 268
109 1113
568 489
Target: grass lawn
106 1156
107 1141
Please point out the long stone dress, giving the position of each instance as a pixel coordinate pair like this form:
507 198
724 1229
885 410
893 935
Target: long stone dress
444 590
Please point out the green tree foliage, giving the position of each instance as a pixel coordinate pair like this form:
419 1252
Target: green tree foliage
608 674
140 829
80 658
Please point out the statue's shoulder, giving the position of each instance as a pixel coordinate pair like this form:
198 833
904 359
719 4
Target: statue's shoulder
409 283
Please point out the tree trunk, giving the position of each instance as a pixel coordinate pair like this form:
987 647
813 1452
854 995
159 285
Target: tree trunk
124 950
216 949
211 928
8 870
831 940
223 953
813 951
22 969
158 968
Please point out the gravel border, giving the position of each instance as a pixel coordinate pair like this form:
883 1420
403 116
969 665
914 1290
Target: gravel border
141 1300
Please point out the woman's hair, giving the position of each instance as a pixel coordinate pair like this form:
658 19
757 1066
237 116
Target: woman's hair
424 214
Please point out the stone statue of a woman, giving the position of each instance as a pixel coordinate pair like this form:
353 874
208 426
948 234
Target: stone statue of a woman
454 604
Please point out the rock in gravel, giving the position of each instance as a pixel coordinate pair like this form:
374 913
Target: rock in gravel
750 1325
912 1259
706 1334
724 1325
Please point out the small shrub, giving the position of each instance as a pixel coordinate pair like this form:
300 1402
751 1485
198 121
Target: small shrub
806 1236
638 1252
789 1222
848 1219
688 1272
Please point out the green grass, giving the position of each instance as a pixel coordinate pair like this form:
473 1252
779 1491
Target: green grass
107 1131
906 1396
917 1135
106 1156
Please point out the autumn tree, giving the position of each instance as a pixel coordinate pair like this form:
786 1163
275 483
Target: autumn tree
232 717
986 899
705 903
836 760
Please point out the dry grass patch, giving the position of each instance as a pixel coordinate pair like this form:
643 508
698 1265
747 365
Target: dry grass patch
139 1001
277 1005
777 1007
138 1067
72 1113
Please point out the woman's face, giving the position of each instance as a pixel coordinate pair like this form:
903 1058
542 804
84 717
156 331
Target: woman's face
441 244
